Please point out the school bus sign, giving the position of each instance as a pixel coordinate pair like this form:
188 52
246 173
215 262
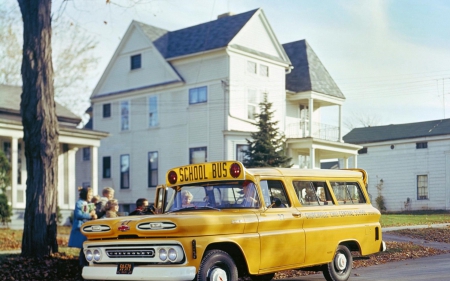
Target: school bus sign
239 222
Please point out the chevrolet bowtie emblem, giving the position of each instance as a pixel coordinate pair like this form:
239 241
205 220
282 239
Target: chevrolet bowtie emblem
124 228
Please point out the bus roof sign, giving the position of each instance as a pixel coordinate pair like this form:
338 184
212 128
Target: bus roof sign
211 171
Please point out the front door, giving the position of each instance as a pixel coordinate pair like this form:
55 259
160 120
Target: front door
280 228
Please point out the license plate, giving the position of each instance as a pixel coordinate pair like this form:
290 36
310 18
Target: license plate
125 268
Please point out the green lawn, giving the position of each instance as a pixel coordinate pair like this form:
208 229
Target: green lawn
414 218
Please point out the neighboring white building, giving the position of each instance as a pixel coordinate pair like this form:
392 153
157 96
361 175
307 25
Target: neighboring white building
70 140
412 161
187 96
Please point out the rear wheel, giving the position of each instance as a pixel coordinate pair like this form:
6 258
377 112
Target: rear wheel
264 277
217 265
340 267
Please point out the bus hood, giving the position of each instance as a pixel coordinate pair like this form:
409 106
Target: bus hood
196 223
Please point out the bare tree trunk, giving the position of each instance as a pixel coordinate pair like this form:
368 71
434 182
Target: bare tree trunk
40 127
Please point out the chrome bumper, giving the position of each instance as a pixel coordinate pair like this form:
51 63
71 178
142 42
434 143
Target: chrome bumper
169 273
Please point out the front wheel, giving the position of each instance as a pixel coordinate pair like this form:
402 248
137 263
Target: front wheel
217 265
340 267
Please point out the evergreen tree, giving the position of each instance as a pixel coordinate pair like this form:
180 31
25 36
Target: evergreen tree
266 149
5 180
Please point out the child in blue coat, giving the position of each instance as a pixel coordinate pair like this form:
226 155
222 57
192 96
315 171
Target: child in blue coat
81 214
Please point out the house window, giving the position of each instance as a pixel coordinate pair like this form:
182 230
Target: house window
421 145
86 153
106 110
125 171
198 95
152 169
240 152
252 104
197 155
264 70
362 150
136 61
422 187
125 115
251 67
153 111
107 167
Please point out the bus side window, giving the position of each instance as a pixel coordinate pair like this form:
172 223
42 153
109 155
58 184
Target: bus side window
278 194
348 193
313 193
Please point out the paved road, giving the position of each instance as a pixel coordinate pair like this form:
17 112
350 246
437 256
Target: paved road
430 269
433 268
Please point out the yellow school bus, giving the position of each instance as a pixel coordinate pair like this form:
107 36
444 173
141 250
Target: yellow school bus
220 221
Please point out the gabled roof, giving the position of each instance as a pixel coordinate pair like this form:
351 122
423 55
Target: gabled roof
308 74
10 103
199 38
398 132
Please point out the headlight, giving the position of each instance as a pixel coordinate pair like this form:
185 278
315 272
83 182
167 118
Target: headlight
162 254
172 254
97 255
89 255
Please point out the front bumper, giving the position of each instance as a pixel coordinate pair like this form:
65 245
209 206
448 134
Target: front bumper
158 273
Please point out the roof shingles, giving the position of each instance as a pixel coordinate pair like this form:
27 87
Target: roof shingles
308 74
398 132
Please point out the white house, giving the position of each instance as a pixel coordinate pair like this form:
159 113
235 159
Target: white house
411 162
70 138
170 98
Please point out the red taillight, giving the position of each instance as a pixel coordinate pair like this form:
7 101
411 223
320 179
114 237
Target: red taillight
172 177
235 170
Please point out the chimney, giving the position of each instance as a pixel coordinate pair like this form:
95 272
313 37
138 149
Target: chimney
228 14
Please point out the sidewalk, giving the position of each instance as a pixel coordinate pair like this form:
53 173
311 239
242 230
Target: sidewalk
388 236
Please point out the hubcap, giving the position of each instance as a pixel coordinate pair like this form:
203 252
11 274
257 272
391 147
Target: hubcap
340 261
218 274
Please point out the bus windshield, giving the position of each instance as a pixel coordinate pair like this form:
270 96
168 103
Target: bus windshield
212 195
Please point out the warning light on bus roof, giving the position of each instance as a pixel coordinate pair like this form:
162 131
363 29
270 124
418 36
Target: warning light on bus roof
172 177
235 170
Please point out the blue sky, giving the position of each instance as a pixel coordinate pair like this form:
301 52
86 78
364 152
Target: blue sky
391 59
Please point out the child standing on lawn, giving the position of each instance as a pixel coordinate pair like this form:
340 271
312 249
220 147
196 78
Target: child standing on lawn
81 214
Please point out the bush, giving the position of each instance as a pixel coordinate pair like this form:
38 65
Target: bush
5 180
380 203
5 209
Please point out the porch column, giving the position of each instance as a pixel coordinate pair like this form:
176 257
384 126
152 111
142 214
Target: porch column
14 168
312 158
340 123
345 162
355 164
94 169
70 188
310 108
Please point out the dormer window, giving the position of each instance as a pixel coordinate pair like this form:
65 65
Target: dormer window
136 62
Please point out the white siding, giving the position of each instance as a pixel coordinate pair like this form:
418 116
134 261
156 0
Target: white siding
399 168
241 81
154 70
255 36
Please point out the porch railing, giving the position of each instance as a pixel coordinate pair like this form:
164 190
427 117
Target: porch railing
319 130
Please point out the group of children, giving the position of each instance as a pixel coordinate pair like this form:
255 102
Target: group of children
106 206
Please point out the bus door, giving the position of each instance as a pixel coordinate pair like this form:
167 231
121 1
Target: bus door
280 228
